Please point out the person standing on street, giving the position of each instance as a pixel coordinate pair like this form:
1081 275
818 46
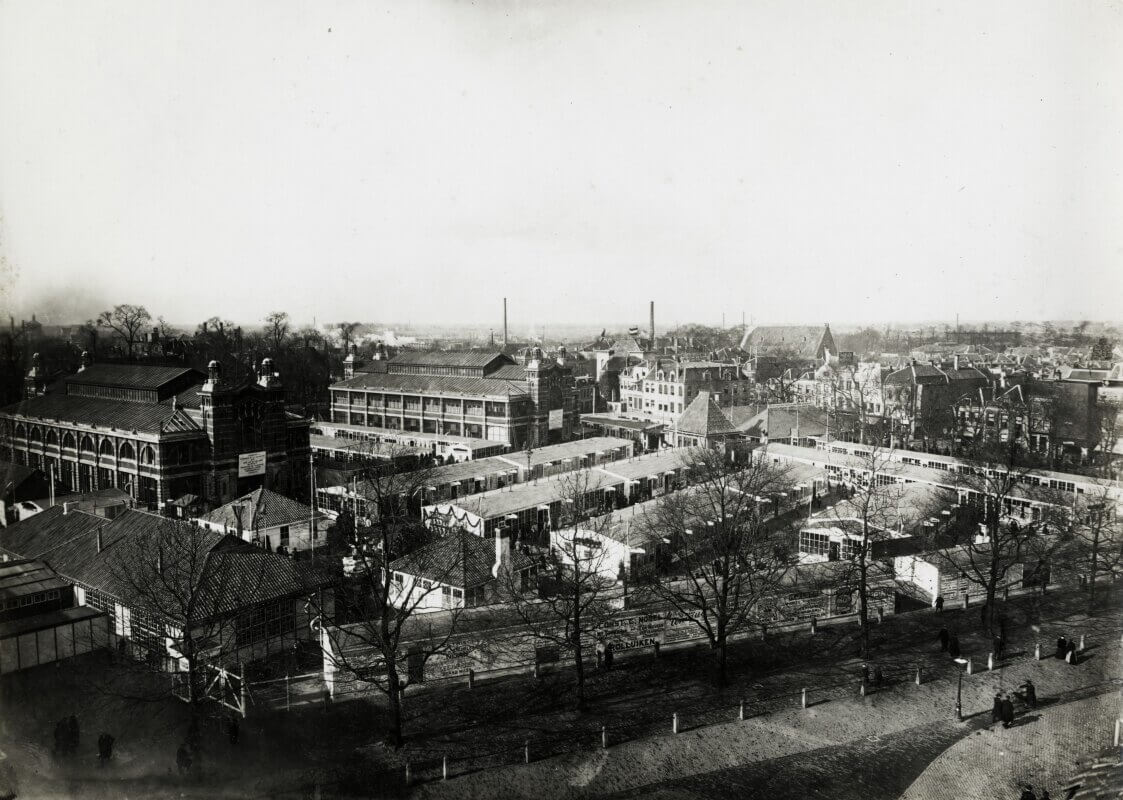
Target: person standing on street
1062 647
1030 693
996 711
939 602
1007 711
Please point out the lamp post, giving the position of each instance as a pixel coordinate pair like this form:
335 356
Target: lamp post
959 698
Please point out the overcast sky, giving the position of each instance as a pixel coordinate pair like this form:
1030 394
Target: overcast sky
814 161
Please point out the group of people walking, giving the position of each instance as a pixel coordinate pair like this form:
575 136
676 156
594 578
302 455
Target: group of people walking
1003 710
1066 650
67 738
949 643
878 675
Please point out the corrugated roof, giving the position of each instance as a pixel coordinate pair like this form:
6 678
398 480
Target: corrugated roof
104 413
133 376
470 358
435 384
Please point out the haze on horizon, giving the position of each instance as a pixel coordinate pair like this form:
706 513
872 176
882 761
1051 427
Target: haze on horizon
388 161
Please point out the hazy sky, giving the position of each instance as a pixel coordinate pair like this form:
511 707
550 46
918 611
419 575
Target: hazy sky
417 160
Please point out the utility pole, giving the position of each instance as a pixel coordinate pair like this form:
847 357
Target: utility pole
312 503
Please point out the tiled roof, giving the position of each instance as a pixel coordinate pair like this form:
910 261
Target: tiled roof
435 384
104 413
620 422
805 341
470 358
779 422
508 372
457 558
704 418
262 509
14 474
20 578
133 376
228 573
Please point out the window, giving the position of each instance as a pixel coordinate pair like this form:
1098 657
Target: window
285 535
68 440
127 451
52 437
87 445
106 448
147 455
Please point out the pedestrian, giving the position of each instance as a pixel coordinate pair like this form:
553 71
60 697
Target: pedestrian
104 748
953 646
1062 647
182 758
608 656
939 602
232 730
943 637
1030 693
1072 657
1007 711
878 675
865 674
72 735
996 711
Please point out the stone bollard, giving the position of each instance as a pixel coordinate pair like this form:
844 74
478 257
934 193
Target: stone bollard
409 775
990 662
537 672
966 600
444 768
741 712
1118 725
1037 651
862 688
471 679
814 626
526 751
803 701
918 676
674 722
1080 647
970 667
603 737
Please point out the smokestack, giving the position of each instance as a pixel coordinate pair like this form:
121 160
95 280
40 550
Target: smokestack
504 323
653 323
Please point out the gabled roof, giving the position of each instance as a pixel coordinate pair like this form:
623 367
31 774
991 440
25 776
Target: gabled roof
260 509
435 384
780 422
457 558
105 413
703 417
15 474
132 376
802 341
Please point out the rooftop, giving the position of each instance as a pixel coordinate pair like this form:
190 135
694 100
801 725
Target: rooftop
457 558
453 386
259 510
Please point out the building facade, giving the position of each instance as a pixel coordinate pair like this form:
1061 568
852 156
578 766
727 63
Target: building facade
483 396
660 389
158 433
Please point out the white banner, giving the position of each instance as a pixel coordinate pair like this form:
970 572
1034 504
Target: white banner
556 418
251 464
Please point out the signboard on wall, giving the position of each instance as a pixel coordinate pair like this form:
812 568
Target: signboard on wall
557 415
250 464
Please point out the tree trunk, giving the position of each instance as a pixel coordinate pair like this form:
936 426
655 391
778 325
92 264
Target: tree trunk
394 694
579 667
1092 577
863 597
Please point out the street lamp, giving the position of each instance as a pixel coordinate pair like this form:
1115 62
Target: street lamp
959 698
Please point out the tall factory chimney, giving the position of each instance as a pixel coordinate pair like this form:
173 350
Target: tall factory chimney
504 323
653 324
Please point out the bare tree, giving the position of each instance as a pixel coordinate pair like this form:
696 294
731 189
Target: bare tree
277 329
572 603
727 552
347 333
1107 412
1097 536
852 394
387 647
1000 527
869 512
127 321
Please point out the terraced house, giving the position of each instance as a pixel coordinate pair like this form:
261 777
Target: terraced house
477 395
161 434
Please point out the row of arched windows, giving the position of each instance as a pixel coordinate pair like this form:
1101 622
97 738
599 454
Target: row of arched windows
126 450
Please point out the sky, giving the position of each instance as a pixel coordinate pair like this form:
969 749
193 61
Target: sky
418 161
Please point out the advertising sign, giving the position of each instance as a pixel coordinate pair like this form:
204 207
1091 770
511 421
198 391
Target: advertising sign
556 417
250 464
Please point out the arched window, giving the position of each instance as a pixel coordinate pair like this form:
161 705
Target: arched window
35 435
87 445
127 451
52 437
21 432
106 448
147 455
68 440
